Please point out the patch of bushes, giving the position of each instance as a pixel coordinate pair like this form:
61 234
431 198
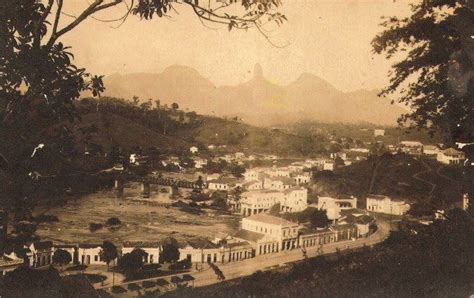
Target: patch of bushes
45 218
95 226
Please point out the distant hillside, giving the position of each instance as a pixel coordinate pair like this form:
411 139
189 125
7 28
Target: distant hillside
257 101
118 122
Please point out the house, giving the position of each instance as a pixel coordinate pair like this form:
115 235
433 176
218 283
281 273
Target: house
257 201
333 206
465 201
411 147
362 221
223 184
211 147
431 151
9 264
152 249
90 254
379 132
450 156
252 174
279 172
252 185
384 204
278 183
199 163
295 200
269 233
302 178
329 165
201 250
39 253
193 149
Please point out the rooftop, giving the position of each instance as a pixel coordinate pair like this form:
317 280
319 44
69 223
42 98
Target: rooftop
248 235
43 244
201 243
452 152
141 244
269 219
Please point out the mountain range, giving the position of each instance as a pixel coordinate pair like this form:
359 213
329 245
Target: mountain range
257 101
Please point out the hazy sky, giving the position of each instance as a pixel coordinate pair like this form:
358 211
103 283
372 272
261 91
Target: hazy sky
329 38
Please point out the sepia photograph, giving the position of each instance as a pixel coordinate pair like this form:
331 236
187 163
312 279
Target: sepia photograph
236 148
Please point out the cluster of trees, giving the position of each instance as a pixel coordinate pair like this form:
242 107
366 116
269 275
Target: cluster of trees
222 165
164 120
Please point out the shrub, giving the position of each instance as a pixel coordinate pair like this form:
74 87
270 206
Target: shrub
46 218
113 221
95 226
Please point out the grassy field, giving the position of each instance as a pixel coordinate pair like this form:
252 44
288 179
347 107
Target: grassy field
140 220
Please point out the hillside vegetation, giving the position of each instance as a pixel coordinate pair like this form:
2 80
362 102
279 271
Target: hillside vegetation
393 175
117 122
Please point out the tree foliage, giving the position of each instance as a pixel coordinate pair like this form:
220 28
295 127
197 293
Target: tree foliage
170 252
62 257
435 77
132 262
108 252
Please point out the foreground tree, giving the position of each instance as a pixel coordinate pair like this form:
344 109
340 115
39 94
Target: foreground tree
62 257
39 82
435 77
109 252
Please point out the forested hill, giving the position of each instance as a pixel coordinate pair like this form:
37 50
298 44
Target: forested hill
109 122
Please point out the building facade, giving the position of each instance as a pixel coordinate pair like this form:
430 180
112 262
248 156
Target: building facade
384 204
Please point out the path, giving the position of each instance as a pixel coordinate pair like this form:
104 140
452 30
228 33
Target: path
266 262
428 169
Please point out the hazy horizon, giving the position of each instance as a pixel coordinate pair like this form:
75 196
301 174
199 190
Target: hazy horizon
329 39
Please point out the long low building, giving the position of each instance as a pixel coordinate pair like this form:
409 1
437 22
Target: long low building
387 205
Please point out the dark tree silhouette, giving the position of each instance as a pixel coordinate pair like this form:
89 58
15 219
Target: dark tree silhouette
170 252
108 252
62 257
435 77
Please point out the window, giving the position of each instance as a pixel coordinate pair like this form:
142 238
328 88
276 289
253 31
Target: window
96 258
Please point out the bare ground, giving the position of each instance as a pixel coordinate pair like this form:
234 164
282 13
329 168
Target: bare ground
141 220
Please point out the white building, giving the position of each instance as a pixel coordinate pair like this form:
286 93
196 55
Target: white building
193 149
465 201
8 264
329 165
223 184
89 254
302 178
333 206
252 174
295 200
199 163
379 132
252 185
384 204
450 156
431 150
201 250
276 234
253 202
411 147
39 253
278 183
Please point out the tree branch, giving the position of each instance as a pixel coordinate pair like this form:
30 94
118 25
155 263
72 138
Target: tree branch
37 34
96 6
56 19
